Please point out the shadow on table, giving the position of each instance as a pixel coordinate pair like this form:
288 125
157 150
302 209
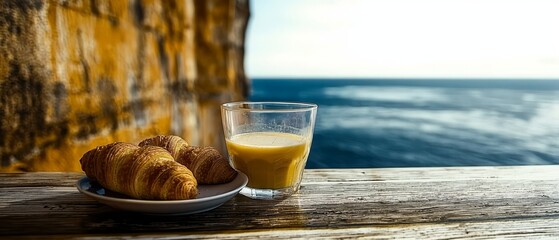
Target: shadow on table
74 213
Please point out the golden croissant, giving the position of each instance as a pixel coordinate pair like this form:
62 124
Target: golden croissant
206 163
146 172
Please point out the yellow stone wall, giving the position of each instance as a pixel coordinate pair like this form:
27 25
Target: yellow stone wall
76 74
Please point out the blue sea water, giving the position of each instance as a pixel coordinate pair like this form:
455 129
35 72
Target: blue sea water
420 122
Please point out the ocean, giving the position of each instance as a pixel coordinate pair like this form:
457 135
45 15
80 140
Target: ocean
425 123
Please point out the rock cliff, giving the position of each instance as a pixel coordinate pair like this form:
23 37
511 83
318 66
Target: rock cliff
75 74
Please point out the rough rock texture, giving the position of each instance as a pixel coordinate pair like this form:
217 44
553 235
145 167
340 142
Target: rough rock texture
75 74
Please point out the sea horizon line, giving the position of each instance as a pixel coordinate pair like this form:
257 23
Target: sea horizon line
406 78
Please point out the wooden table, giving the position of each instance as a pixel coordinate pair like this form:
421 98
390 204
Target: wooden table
462 202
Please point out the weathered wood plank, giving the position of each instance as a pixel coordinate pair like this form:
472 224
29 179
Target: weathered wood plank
319 176
529 229
542 172
400 203
39 179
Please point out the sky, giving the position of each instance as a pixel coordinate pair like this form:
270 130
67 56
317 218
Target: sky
403 39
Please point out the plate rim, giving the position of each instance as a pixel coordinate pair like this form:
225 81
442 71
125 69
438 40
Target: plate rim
160 202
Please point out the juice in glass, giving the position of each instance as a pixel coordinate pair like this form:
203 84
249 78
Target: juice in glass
271 160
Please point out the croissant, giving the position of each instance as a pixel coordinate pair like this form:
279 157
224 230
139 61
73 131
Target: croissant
146 172
206 163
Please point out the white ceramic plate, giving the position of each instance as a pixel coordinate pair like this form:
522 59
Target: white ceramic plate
209 197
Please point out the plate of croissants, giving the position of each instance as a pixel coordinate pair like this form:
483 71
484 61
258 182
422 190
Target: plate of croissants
161 175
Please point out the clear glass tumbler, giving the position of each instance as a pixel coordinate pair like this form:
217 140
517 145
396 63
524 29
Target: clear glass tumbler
270 143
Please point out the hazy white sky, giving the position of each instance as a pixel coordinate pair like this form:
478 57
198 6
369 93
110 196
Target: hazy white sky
404 38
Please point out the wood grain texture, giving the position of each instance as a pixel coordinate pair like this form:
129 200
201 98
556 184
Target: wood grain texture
444 203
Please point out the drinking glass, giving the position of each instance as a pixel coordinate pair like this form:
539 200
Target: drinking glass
270 143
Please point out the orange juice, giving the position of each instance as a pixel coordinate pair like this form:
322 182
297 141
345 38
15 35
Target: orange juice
271 160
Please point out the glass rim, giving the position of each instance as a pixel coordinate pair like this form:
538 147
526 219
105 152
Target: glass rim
287 106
